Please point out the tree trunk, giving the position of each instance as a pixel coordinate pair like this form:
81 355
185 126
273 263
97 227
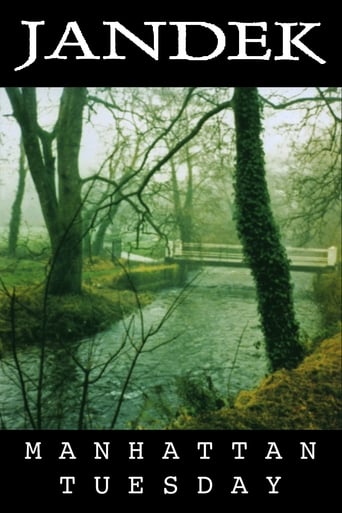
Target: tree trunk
62 213
98 244
260 237
183 213
87 234
188 228
24 104
66 275
14 225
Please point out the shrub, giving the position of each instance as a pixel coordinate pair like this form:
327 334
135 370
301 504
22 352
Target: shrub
327 291
198 394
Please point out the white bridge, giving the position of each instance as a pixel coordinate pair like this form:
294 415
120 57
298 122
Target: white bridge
301 259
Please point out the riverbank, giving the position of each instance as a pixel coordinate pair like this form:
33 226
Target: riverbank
110 292
307 397
195 357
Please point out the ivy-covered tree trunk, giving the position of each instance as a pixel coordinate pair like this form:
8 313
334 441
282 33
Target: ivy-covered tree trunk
260 236
14 225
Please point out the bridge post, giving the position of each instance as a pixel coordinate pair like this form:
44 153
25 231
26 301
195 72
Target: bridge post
116 248
173 248
332 256
177 247
168 249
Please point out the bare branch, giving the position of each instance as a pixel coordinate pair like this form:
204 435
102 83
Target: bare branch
328 104
299 101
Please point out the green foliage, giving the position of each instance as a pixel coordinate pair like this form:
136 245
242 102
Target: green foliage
260 237
30 246
195 393
198 394
308 397
66 318
327 291
15 271
107 296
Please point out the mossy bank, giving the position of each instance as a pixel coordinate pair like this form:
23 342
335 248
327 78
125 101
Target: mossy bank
306 397
110 292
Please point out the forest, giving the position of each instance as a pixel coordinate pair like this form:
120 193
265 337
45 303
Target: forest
100 327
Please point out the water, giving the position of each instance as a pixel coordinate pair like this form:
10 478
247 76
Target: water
212 337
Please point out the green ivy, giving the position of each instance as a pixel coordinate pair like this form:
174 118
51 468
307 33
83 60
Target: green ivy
260 236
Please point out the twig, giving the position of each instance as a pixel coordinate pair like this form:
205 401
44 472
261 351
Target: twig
235 357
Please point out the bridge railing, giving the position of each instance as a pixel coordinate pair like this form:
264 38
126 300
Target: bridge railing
206 251
232 253
313 256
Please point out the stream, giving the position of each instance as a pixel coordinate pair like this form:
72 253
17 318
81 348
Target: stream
208 347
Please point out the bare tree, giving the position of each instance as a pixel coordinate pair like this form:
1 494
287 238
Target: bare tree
14 225
313 180
62 209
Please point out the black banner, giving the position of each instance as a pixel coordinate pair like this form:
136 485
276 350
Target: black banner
206 47
163 467
215 46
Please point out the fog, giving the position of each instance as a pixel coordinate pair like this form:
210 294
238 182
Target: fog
155 206
284 131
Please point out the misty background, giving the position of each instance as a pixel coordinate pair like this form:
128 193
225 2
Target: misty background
291 138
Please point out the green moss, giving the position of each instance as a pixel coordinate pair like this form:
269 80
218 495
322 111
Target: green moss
65 318
308 397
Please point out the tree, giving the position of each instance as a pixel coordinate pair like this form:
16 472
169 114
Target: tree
183 210
15 220
314 194
163 129
260 236
119 163
313 179
61 210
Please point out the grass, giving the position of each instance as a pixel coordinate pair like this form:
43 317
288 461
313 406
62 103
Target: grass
17 272
147 276
107 297
96 272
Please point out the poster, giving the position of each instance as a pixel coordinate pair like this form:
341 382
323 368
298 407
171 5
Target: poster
137 465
